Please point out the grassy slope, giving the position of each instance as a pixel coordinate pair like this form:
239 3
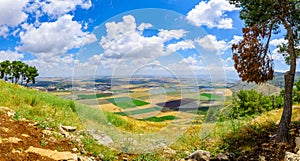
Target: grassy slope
50 111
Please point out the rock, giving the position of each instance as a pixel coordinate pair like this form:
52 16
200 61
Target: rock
261 158
74 149
168 150
63 132
68 128
85 158
101 137
222 157
200 155
291 157
13 140
55 155
297 144
10 113
25 135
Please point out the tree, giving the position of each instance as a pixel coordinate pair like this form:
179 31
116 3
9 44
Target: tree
30 74
251 55
16 71
6 66
250 102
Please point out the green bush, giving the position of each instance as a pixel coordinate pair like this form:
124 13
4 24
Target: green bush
250 102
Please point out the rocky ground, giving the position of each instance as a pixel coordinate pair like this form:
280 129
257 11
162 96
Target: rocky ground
22 140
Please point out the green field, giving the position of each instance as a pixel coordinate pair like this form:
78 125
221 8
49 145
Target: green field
126 102
93 96
140 111
160 119
210 97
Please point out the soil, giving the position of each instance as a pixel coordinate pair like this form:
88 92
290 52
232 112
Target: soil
17 136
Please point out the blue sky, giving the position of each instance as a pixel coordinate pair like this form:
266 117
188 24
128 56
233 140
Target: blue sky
121 37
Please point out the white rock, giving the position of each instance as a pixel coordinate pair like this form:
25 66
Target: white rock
199 155
53 154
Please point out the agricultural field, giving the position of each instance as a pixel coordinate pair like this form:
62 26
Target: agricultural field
153 99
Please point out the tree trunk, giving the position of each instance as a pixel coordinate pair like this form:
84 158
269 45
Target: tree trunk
283 129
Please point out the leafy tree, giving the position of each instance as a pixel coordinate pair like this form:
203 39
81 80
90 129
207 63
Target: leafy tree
250 102
251 55
6 69
30 74
16 71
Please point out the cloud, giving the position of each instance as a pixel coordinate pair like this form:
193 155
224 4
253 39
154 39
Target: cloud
57 8
12 12
211 14
181 45
210 43
276 54
144 26
276 42
236 39
3 31
54 38
10 55
125 40
49 67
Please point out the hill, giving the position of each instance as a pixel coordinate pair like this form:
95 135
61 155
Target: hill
36 113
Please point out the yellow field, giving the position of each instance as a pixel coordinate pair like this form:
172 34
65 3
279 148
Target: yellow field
110 107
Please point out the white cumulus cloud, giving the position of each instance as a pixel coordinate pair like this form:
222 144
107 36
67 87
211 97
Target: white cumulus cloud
211 14
57 8
12 12
210 43
54 38
10 55
125 39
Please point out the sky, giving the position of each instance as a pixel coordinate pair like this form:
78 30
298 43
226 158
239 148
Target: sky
124 37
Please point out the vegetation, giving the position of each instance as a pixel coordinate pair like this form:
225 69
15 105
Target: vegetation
126 102
140 111
210 97
17 72
160 119
94 96
234 135
250 55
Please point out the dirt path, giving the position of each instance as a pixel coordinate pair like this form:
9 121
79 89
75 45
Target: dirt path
24 140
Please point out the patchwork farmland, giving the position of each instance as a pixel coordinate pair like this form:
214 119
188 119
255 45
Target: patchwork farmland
154 100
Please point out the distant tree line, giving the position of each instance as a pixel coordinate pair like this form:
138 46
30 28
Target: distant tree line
18 72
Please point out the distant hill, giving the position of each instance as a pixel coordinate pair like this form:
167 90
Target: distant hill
279 79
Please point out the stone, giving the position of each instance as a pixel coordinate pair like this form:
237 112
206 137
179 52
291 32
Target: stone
68 128
222 157
200 155
13 140
261 158
25 135
53 154
168 150
297 144
74 149
101 138
10 113
63 132
291 157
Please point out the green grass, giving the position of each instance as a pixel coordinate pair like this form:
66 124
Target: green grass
160 119
94 96
210 97
127 102
46 109
140 111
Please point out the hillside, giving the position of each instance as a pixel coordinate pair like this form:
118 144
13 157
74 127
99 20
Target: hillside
36 118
